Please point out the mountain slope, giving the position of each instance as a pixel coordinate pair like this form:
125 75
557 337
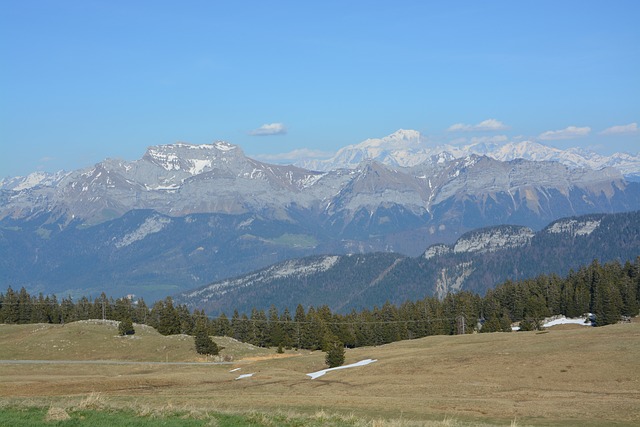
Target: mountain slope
476 262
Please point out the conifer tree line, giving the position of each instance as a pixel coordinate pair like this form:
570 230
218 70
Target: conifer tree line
609 291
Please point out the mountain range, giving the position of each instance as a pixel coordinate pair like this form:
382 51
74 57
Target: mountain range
408 148
476 262
185 215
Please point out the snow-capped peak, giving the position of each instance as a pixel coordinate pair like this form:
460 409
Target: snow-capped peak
399 139
32 180
401 148
407 148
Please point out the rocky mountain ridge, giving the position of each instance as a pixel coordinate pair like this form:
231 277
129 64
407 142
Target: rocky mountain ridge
477 261
182 179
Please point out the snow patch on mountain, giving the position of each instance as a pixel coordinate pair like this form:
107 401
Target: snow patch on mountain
30 181
153 224
168 161
199 165
224 146
191 158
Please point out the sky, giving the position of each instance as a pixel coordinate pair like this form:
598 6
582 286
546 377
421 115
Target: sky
81 81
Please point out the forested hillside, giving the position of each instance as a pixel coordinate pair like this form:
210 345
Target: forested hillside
609 291
476 263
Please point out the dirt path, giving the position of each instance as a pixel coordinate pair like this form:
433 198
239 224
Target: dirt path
105 362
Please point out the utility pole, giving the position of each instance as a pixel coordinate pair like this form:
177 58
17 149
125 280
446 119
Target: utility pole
461 324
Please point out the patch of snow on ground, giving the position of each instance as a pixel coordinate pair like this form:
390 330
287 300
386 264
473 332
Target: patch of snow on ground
561 320
234 370
317 374
244 376
564 321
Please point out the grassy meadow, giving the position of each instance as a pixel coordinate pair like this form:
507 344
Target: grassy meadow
567 375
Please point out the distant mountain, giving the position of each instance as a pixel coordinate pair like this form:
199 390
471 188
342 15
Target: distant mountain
182 179
175 179
184 215
407 148
477 261
143 252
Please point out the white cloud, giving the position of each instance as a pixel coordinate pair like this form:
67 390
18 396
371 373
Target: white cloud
295 155
486 125
621 130
459 141
497 139
269 129
570 132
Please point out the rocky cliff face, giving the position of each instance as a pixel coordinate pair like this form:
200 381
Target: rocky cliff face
491 240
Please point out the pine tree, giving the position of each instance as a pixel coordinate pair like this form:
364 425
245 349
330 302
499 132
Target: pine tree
10 308
141 312
125 327
24 306
168 321
204 343
288 329
335 353
223 326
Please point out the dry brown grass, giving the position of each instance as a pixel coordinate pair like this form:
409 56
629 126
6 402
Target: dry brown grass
98 340
568 376
56 414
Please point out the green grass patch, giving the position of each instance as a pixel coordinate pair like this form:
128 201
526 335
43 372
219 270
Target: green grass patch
296 240
59 416
55 416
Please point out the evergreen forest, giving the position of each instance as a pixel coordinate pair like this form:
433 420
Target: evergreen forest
609 291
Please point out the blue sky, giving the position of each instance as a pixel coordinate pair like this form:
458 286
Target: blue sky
81 81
